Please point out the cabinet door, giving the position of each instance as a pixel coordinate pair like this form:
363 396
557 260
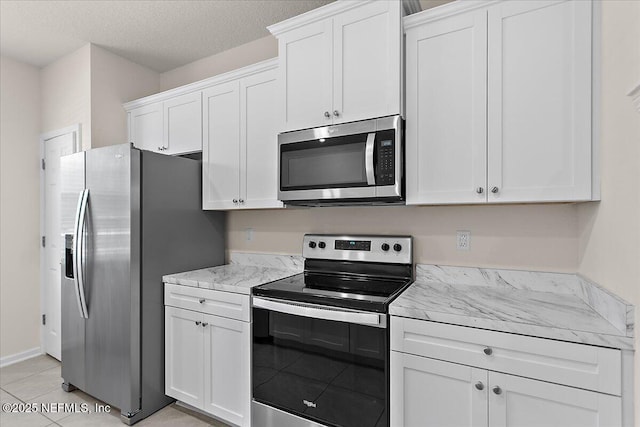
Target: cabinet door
221 147
524 402
367 43
227 369
260 123
539 101
446 110
429 392
306 75
146 127
184 355
183 124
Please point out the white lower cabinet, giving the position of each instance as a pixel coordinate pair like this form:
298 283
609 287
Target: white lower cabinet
207 361
184 356
429 391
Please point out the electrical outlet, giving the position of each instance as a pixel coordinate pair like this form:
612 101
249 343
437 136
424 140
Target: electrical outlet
463 240
249 234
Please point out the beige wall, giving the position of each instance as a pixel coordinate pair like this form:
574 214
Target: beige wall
66 93
609 231
114 81
534 237
246 54
19 209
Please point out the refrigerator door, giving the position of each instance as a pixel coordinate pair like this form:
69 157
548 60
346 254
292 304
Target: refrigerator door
112 277
72 321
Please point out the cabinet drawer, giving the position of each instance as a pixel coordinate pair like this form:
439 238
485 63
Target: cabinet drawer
577 365
218 303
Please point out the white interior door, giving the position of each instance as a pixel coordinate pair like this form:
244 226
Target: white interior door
55 145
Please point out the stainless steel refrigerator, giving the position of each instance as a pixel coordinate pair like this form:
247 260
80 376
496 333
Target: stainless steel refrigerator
128 218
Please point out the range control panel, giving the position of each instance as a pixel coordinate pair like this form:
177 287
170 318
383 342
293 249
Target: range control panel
391 249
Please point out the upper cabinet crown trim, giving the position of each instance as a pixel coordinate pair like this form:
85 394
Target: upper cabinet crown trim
258 67
332 9
445 11
315 15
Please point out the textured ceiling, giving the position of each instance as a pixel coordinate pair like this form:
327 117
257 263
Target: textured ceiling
159 34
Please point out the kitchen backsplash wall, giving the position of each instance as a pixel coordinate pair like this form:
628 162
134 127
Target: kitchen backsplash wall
526 237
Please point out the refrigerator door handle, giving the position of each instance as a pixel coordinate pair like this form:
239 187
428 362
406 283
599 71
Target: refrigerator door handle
79 253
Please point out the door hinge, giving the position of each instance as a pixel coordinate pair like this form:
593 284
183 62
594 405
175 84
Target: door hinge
43 164
44 319
44 241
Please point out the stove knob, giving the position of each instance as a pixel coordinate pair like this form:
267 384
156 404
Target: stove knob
312 244
385 247
397 247
322 245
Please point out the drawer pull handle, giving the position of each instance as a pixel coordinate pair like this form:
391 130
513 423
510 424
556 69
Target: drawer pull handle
197 322
488 351
497 390
201 300
479 385
204 324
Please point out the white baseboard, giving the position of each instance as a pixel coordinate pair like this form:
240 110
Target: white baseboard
19 357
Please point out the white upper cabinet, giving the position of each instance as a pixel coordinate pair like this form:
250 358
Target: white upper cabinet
259 122
306 84
539 97
340 63
183 124
172 125
447 110
499 103
145 127
239 162
221 151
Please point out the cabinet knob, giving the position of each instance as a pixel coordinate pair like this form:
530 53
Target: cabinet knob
159 148
497 390
197 322
336 113
494 190
205 324
488 351
235 200
479 190
201 300
241 200
479 385
326 114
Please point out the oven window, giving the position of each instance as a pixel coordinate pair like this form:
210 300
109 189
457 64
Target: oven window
334 373
334 163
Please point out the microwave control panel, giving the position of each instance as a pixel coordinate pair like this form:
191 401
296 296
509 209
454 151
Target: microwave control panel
386 155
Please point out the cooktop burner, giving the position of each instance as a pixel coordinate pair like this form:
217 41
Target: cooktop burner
354 272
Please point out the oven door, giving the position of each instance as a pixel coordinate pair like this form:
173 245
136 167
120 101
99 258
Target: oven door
318 365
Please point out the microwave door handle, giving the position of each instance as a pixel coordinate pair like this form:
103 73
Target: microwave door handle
368 159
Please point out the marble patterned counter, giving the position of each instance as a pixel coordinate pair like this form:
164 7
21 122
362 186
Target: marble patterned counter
566 307
244 272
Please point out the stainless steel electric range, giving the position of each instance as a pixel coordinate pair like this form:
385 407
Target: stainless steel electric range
320 354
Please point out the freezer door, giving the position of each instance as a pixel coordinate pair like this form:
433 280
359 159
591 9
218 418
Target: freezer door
72 323
112 276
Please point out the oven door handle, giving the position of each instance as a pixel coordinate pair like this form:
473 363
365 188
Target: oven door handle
320 312
368 161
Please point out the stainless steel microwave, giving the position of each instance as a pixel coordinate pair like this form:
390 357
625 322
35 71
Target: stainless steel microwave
347 164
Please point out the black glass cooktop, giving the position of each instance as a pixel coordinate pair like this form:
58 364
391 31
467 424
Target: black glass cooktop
359 292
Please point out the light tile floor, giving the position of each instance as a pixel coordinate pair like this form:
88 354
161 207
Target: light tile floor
38 380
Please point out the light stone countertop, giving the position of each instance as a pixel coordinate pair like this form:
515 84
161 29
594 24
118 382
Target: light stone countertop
238 276
550 305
